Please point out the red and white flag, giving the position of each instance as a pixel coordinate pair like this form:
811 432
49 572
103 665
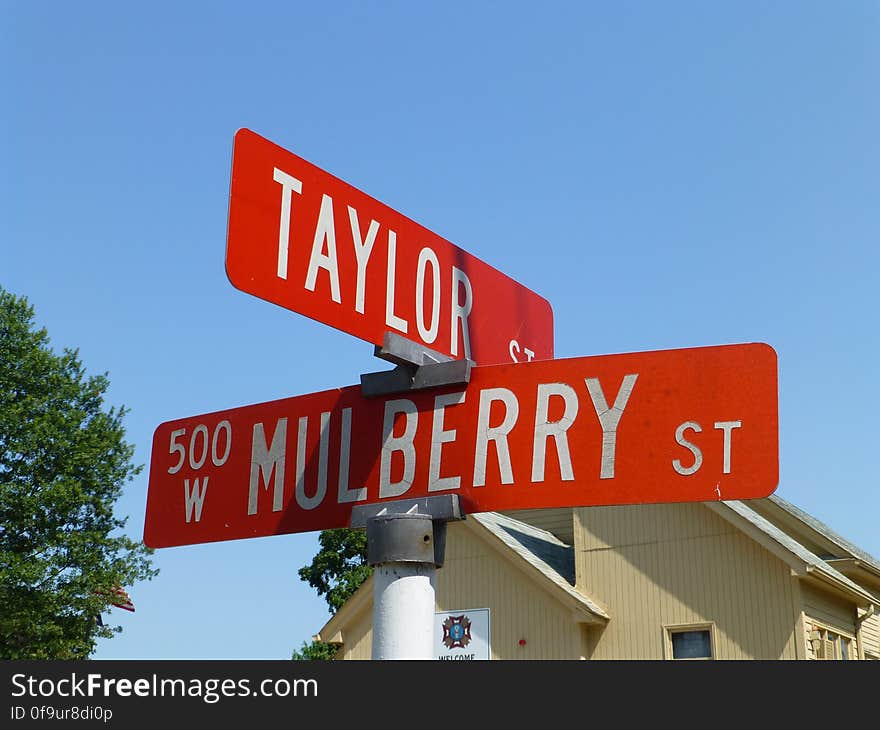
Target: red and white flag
119 598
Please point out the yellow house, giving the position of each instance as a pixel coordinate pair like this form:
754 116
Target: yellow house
721 580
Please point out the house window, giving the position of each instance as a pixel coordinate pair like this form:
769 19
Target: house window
830 645
692 642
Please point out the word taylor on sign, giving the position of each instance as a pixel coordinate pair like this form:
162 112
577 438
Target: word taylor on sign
307 241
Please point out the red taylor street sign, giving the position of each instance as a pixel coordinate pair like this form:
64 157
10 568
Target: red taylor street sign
309 242
667 426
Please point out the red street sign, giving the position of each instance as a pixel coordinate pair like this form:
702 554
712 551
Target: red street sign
309 242
667 426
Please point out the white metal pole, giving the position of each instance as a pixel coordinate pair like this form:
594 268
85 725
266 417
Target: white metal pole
400 548
406 544
403 611
406 539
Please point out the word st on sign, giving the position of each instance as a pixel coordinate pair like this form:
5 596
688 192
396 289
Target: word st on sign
309 242
683 425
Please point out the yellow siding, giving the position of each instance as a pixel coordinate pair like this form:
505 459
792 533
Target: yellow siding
824 610
836 613
871 634
663 565
559 522
356 636
476 575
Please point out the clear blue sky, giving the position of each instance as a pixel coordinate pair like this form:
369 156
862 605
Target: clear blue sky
667 175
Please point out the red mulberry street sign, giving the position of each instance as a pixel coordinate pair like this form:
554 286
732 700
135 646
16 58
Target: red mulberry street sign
309 242
667 426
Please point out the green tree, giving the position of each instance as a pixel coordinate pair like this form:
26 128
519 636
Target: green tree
63 463
340 567
336 572
321 651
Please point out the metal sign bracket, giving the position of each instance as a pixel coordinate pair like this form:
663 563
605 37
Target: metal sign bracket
417 367
398 545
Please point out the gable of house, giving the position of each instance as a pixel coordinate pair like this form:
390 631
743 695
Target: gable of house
629 577
524 575
841 555
668 567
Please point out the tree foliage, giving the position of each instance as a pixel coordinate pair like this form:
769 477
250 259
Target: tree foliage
63 464
322 651
340 567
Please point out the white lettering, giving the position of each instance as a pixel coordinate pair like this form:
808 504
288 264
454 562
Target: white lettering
266 461
197 463
727 427
362 251
325 231
194 498
686 471
609 418
173 446
544 429
345 493
302 499
440 437
391 319
215 458
461 311
514 349
428 334
289 184
402 443
497 434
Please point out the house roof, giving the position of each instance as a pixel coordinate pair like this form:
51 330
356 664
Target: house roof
539 552
820 527
544 553
810 563
536 542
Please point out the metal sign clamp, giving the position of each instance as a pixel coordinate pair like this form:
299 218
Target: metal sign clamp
417 367
397 530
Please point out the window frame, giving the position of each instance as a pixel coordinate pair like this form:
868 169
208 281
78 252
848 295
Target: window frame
820 632
670 629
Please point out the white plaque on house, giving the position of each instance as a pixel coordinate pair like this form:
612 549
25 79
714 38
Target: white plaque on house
462 634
